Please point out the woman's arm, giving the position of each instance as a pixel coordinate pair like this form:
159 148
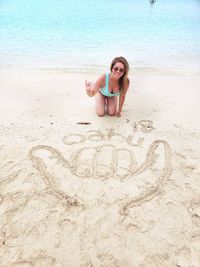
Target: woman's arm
93 88
122 99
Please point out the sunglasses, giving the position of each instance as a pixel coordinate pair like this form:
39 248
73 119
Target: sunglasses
118 69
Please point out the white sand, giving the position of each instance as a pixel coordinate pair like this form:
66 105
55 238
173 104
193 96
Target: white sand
117 192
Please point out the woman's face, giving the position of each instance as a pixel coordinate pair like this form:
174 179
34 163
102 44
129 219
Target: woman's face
118 70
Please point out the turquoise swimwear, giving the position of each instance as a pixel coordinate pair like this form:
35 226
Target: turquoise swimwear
105 90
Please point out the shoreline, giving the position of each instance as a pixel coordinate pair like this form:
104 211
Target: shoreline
98 69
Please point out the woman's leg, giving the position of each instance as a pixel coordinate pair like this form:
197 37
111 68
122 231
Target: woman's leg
100 101
112 105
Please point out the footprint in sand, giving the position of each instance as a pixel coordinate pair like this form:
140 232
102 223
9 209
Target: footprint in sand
90 167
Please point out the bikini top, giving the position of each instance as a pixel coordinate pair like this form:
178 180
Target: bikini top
105 90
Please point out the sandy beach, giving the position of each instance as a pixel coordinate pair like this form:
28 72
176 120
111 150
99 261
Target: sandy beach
77 190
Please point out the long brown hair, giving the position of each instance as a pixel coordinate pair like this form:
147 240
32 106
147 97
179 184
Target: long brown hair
124 79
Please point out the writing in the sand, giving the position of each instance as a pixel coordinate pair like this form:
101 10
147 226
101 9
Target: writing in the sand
112 157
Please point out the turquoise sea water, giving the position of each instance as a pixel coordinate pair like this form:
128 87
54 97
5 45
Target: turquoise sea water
85 35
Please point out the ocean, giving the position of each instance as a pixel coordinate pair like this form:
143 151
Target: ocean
84 36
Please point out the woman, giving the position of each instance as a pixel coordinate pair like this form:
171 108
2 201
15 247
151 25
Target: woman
109 87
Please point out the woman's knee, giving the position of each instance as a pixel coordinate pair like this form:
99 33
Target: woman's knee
100 113
100 104
111 110
111 113
112 106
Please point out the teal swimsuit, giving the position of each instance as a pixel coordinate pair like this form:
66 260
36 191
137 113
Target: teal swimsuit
105 90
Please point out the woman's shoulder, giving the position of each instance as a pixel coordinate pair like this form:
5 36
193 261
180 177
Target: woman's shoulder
103 76
101 80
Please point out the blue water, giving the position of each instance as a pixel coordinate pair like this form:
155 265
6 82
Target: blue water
85 35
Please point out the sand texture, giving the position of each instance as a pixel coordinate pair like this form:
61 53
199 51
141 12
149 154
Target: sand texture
77 190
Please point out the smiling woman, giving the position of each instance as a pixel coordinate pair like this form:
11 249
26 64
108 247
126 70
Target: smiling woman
109 86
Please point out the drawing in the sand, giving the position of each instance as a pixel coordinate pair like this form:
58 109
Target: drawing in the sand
104 161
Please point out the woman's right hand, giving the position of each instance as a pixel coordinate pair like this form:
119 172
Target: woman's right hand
89 87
